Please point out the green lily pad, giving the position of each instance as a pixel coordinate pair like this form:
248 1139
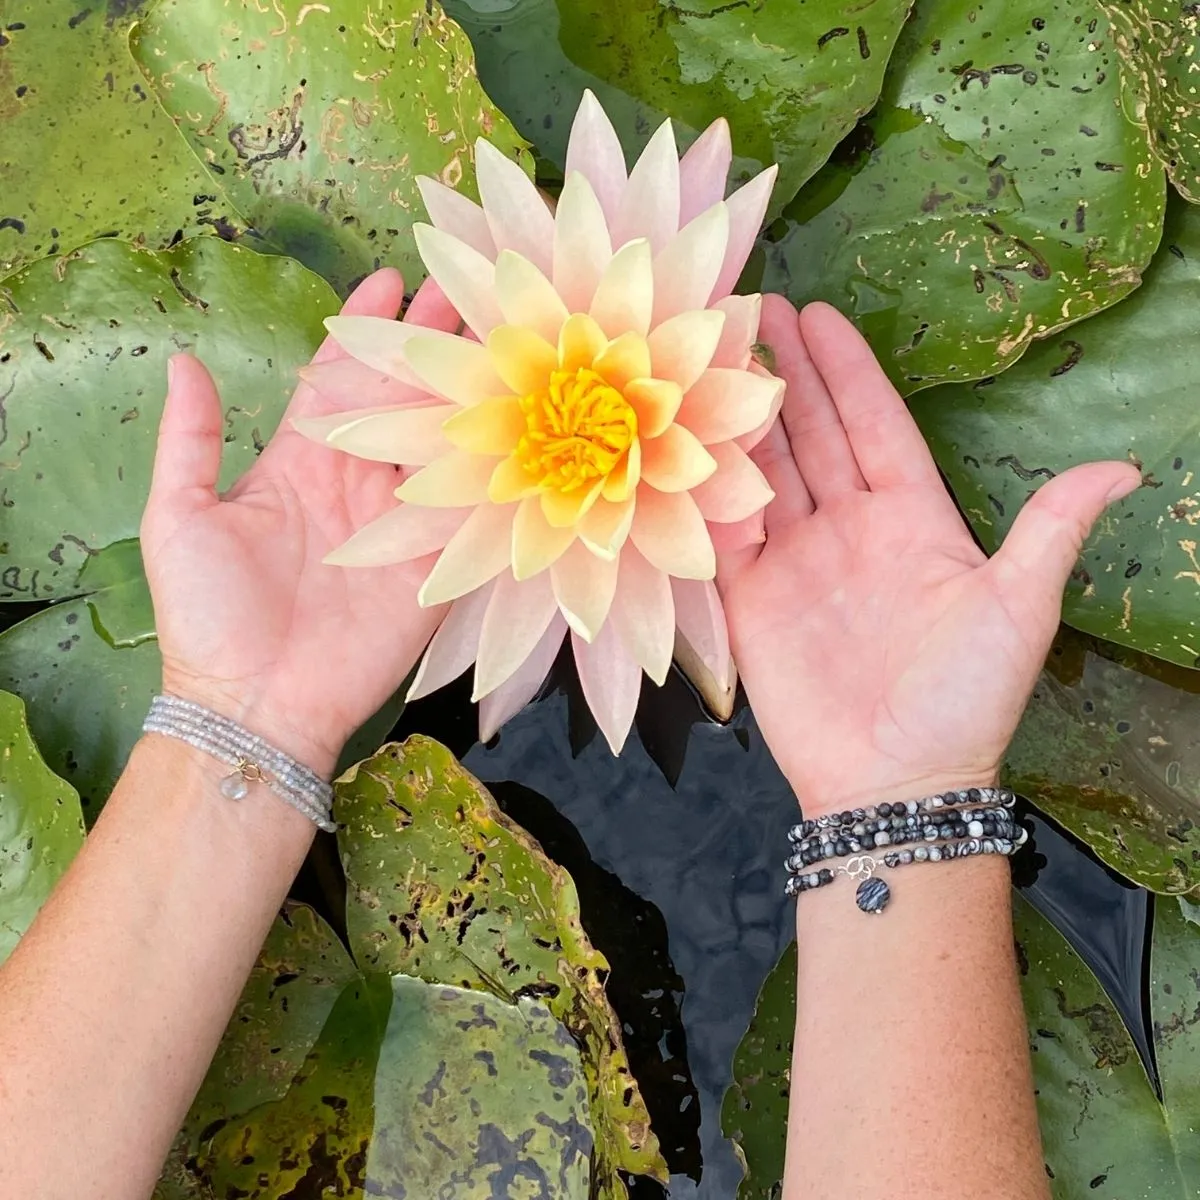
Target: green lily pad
1119 386
754 1112
88 152
316 120
999 193
41 827
443 886
791 79
1107 747
118 595
1158 40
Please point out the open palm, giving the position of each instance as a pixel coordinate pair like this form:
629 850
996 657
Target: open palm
250 620
883 654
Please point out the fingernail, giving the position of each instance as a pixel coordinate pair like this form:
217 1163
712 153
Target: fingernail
170 371
1120 490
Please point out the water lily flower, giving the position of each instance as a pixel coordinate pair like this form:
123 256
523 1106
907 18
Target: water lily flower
579 447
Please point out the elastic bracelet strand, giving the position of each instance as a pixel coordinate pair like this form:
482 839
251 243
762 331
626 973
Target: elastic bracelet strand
1001 797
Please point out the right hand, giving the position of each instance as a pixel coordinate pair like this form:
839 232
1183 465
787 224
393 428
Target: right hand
884 655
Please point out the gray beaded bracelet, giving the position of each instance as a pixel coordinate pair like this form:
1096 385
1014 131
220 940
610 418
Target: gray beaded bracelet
881 814
253 760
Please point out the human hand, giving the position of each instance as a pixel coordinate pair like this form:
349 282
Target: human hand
250 621
884 656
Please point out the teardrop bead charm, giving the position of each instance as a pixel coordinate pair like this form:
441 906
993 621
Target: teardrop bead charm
873 895
235 787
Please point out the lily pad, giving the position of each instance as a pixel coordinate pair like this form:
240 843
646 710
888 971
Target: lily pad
443 886
1119 386
88 152
1158 40
316 119
1108 748
83 347
997 195
41 826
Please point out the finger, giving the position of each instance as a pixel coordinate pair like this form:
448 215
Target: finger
1043 544
773 457
188 459
431 309
883 437
738 545
814 428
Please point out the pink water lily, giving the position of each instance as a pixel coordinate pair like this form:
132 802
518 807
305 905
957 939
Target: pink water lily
579 449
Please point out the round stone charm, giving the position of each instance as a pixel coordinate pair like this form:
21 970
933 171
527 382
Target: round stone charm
873 895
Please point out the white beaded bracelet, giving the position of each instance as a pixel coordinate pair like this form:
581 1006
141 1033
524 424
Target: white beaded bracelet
253 760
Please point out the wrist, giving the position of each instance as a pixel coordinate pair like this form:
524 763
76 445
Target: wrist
862 788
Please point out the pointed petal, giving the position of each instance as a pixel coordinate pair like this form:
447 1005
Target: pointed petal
406 532
703 171
605 526
742 315
492 427
747 208
521 358
682 348
527 297
458 368
467 278
510 697
457 215
626 475
509 482
669 530
733 536
726 404
380 343
453 647
649 206
686 270
580 343
747 441
623 360
475 555
563 509
624 299
453 481
584 585
411 435
611 681
516 213
702 644
737 490
350 385
517 616
536 543
676 461
582 248
643 614
595 150
656 401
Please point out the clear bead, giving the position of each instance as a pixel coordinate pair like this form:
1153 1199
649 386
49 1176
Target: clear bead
234 787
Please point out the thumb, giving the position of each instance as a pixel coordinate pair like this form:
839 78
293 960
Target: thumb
188 459
1043 544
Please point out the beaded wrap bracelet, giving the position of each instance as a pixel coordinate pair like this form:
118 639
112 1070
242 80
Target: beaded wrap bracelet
253 760
994 797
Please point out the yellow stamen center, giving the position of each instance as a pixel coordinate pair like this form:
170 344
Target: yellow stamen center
576 430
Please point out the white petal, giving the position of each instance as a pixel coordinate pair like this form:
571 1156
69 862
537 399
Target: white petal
460 369
582 248
584 585
410 435
703 171
643 613
649 207
380 343
517 616
624 301
595 151
611 682
742 314
702 644
400 535
510 697
464 275
516 213
527 297
457 215
685 272
453 647
747 208
475 555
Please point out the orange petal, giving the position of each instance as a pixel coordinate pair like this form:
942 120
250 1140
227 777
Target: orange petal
405 532
563 509
623 479
584 585
624 360
643 613
509 481
726 403
527 297
582 249
656 401
517 616
455 480
676 461
458 368
669 530
493 427
737 489
624 299
580 343
605 526
536 543
521 358
475 555
682 348
687 269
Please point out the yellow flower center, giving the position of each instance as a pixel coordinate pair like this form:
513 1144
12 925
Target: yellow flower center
576 430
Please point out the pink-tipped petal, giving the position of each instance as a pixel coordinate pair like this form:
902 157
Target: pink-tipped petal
676 461
687 268
322 428
605 526
703 171
455 480
380 343
611 681
702 644
682 348
582 248
584 585
454 646
349 385
527 297
726 404
747 208
412 436
624 299
742 315
669 530
457 215
649 207
595 151
460 369
737 490
516 213
517 616
510 697
536 543
475 555
643 614
747 441
466 277
400 535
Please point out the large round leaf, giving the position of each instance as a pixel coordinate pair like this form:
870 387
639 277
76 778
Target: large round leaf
1119 386
41 826
87 152
83 348
997 195
316 118
443 886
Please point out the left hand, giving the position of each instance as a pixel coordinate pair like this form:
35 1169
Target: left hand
251 623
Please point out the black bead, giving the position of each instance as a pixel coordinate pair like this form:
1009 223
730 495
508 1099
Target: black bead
826 875
885 810
842 848
873 895
974 795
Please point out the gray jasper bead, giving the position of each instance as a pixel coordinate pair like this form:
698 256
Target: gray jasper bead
873 895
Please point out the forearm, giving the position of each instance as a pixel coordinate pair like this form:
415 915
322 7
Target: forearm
113 1003
911 1074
